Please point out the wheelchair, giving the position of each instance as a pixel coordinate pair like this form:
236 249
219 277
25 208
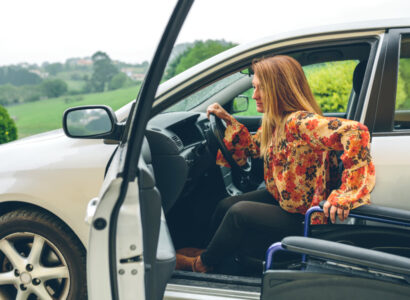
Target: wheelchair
364 261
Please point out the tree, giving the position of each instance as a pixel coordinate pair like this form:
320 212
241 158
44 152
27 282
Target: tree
54 68
18 76
200 52
103 71
8 130
171 69
195 54
117 81
54 87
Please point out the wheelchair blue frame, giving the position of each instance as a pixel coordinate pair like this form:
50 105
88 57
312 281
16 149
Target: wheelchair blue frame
278 246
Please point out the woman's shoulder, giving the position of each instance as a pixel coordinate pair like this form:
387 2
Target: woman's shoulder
304 119
301 115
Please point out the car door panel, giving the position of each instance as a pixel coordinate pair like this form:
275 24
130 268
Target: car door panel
129 247
392 170
99 236
150 207
390 147
159 253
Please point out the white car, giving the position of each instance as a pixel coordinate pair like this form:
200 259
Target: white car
161 182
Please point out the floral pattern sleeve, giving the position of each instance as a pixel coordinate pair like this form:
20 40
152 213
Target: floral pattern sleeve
239 142
323 133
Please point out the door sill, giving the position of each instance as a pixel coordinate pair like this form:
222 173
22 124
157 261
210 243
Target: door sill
190 285
185 292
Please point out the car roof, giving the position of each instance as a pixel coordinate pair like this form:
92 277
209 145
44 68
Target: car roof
370 25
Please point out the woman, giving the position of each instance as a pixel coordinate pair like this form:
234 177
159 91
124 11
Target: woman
298 147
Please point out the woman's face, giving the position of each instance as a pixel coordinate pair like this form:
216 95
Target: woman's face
257 94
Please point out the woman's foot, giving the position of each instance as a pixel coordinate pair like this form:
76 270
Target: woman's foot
190 252
184 263
198 266
194 264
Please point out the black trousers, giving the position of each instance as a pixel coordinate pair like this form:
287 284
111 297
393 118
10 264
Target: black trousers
248 224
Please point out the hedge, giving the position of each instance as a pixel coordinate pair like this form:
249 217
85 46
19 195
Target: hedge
8 130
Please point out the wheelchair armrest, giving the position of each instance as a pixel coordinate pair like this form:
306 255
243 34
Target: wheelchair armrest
347 254
380 212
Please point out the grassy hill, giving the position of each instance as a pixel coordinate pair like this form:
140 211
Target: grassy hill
76 84
36 117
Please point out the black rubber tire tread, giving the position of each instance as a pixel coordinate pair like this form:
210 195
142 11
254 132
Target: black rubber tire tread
43 223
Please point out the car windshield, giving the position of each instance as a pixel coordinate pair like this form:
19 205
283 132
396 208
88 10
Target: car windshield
204 94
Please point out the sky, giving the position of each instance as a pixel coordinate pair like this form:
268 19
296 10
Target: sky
49 30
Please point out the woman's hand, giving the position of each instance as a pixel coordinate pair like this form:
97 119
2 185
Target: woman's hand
328 208
218 111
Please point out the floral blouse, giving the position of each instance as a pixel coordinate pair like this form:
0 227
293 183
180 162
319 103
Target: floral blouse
300 168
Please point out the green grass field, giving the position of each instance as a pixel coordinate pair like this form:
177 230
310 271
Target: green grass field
36 117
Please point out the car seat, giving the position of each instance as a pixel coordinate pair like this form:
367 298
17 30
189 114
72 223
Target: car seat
358 76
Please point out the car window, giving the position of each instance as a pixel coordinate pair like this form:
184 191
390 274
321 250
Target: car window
331 84
402 107
204 94
251 111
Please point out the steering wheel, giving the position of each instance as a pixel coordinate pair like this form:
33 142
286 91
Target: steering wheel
240 174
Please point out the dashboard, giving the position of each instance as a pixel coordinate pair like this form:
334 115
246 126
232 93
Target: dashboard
182 150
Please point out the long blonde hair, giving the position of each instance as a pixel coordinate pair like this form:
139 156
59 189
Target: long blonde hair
285 90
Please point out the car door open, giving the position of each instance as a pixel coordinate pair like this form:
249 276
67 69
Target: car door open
122 257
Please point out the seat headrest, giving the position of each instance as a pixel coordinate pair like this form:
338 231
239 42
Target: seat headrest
358 76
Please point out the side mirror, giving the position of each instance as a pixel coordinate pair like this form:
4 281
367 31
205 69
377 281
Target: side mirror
240 104
92 122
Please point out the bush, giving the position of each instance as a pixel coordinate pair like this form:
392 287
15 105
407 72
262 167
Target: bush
32 98
8 129
403 85
9 94
54 87
331 84
76 76
118 81
401 95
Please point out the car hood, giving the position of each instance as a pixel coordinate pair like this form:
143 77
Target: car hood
34 138
51 150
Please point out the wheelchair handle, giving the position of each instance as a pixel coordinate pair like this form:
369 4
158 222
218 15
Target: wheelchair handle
374 213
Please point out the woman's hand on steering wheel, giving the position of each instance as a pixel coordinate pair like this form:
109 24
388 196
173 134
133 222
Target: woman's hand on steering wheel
241 174
218 111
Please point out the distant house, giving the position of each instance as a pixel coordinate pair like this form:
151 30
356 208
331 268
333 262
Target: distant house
39 73
128 71
24 65
133 74
138 77
84 62
79 62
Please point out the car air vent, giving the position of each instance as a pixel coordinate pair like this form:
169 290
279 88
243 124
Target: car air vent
177 141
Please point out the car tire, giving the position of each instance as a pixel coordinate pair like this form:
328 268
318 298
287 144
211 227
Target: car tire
40 258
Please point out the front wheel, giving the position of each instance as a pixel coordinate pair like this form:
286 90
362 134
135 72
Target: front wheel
40 258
